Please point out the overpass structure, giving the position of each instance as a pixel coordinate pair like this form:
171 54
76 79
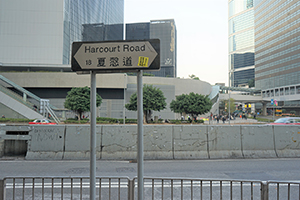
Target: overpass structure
287 97
22 103
243 95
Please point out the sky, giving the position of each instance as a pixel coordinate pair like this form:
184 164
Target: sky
202 33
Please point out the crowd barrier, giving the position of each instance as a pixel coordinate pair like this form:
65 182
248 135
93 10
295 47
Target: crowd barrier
160 141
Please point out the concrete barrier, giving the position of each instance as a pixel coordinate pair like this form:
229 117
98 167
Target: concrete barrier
287 141
77 142
190 142
47 142
119 142
224 142
258 142
160 142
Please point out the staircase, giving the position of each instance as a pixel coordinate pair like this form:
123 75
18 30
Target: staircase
28 105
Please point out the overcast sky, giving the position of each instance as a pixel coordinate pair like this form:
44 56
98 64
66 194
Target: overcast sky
202 33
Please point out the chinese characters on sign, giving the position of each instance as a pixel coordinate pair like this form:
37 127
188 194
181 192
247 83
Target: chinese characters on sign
118 55
113 62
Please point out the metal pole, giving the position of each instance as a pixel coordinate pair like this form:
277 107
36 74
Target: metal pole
229 107
93 138
2 189
124 93
140 153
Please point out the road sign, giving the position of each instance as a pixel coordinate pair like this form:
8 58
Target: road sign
272 101
116 56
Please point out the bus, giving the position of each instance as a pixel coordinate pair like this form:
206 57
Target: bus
278 112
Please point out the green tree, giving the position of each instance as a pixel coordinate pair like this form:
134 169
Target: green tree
232 105
153 99
193 104
251 83
78 100
194 77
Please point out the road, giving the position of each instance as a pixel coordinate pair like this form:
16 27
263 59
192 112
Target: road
253 169
242 169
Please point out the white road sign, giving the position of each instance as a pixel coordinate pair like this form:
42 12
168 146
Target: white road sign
116 55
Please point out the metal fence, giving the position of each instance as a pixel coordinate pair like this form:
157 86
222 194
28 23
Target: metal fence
124 188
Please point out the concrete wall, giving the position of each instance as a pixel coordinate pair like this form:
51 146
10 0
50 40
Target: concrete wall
160 142
111 107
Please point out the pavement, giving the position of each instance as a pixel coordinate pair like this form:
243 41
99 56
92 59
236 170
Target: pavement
235 121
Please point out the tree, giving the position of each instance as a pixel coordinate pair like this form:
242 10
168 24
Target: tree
153 99
78 100
251 83
194 77
193 104
232 105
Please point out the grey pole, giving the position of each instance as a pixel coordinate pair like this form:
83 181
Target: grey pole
124 93
140 153
229 106
93 138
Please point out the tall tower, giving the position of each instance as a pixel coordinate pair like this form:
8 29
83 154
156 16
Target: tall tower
241 42
277 44
40 33
165 30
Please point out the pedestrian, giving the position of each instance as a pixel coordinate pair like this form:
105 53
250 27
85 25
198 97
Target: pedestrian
218 118
223 119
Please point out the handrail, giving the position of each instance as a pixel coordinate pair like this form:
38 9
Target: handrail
52 114
16 96
19 88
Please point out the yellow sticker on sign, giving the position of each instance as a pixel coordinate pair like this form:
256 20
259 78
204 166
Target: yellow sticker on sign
143 61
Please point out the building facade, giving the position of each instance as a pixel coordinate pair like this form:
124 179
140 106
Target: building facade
165 30
241 42
277 51
40 33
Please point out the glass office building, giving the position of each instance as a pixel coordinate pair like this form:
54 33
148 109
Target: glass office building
277 43
40 33
241 42
165 30
277 52
102 32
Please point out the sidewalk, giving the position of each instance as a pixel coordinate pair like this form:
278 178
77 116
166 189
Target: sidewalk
236 121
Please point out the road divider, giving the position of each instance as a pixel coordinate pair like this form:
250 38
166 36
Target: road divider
160 141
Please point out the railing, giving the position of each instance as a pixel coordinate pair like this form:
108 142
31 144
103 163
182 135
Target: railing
16 97
119 188
25 101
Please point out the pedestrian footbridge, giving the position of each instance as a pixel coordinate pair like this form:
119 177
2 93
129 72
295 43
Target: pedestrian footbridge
15 98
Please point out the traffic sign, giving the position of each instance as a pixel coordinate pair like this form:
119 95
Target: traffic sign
116 56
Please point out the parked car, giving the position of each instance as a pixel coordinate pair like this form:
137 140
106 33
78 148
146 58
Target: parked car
287 121
43 121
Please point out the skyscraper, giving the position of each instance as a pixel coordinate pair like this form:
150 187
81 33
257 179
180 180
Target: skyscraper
277 50
165 30
241 42
40 33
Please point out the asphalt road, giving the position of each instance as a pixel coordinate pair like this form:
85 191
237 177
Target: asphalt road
250 169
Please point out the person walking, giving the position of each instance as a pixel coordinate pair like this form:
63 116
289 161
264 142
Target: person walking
223 119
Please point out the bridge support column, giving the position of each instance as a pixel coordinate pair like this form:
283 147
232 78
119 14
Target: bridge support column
264 108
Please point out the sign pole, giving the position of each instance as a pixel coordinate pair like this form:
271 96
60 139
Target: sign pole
140 153
116 57
93 137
